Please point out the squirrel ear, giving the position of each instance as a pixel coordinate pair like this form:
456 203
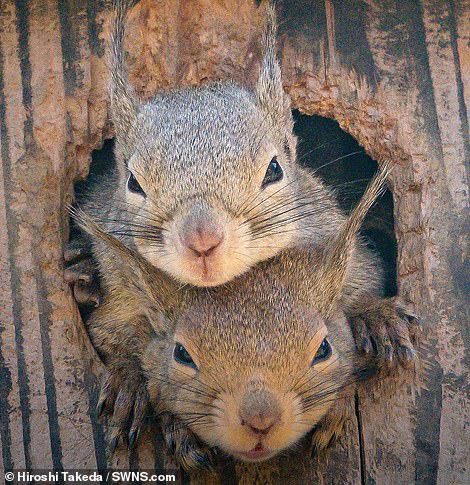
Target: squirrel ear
124 102
330 278
269 91
132 272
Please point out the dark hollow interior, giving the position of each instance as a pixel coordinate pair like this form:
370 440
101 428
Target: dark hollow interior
338 159
342 163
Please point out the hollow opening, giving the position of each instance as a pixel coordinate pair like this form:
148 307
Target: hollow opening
102 164
343 164
102 168
337 158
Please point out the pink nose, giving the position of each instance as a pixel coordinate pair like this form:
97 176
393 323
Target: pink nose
259 411
202 242
262 425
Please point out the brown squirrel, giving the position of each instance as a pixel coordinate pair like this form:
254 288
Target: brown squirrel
209 188
250 366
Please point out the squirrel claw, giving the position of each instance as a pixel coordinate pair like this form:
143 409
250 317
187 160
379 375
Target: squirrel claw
81 272
366 345
124 399
107 395
113 444
133 436
183 444
387 329
86 295
389 353
100 408
406 355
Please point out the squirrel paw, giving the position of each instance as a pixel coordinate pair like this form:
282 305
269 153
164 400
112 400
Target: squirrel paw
125 402
330 428
81 272
388 328
183 444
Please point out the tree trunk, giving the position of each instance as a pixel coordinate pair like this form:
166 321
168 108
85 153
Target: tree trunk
395 75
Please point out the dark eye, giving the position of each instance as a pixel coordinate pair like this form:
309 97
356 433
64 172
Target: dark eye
323 352
273 174
134 186
182 356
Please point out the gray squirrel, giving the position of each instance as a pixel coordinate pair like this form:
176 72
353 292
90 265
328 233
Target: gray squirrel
208 188
248 367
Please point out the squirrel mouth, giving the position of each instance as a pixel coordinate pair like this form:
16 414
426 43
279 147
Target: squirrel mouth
258 453
206 270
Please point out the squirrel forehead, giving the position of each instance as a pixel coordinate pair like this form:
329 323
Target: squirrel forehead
201 125
253 310
239 342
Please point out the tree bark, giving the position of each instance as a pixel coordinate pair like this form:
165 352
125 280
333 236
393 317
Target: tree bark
396 75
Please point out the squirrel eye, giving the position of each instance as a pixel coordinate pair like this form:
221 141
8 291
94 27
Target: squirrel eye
181 355
273 174
134 186
323 353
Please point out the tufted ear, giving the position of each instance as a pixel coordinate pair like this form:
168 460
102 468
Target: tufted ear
124 101
329 278
269 91
130 270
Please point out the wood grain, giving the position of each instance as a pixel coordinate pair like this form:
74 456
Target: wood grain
396 75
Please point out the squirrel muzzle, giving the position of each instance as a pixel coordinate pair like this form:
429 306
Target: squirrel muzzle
199 238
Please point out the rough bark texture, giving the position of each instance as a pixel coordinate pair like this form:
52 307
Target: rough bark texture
396 75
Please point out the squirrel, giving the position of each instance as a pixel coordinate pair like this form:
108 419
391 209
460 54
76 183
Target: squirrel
248 367
208 188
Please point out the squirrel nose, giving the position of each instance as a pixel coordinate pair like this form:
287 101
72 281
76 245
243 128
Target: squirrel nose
264 429
202 241
260 411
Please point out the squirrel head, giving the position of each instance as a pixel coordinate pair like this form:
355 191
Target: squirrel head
252 365
210 181
252 368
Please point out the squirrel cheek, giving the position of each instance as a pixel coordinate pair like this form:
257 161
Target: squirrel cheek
313 415
227 432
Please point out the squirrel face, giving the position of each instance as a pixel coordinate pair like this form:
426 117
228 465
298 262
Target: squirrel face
211 187
251 375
